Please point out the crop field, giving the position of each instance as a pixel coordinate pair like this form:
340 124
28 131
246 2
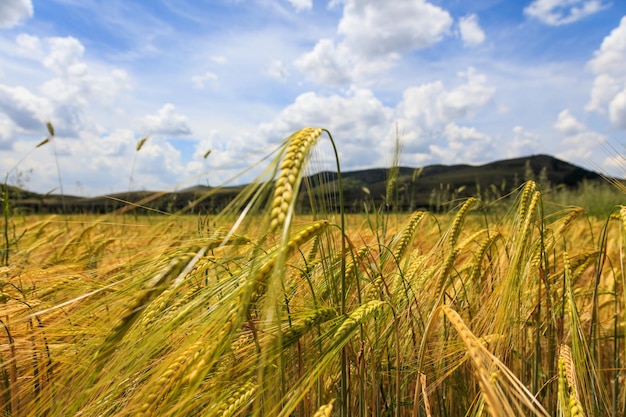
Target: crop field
496 309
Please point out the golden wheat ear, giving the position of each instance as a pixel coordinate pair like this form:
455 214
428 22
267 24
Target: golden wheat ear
290 176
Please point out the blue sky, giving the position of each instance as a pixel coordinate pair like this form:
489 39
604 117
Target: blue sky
459 81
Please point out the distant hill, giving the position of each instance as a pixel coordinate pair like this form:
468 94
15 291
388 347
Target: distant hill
428 187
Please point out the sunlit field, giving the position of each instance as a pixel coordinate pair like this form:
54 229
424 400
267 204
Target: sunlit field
502 309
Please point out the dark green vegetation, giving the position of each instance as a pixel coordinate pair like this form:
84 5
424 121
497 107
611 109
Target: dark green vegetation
432 187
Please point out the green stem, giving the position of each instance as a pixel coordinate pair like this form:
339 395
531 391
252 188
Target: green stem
344 353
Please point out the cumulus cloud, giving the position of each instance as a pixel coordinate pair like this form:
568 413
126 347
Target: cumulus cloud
458 133
277 70
70 90
29 45
579 148
25 109
166 121
430 114
373 38
74 86
199 81
400 26
429 105
327 63
617 110
609 87
471 32
218 59
605 88
352 115
109 157
6 133
301 4
462 144
64 55
523 142
360 119
567 124
578 143
562 12
12 12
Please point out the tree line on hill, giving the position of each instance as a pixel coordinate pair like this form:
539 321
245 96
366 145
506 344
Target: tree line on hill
401 188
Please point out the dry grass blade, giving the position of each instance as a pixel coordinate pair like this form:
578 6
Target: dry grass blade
422 377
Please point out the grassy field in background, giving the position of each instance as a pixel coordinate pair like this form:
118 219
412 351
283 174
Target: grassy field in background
496 308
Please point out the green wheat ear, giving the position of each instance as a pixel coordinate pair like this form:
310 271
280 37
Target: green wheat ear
43 142
140 143
50 128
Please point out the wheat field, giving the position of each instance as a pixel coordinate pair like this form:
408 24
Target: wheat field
264 311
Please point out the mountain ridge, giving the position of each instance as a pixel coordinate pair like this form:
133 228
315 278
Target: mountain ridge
415 187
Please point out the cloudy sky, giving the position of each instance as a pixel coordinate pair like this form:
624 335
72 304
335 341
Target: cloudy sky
458 81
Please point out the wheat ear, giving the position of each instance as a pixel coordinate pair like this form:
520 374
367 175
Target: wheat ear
455 230
265 271
407 234
358 316
290 175
325 410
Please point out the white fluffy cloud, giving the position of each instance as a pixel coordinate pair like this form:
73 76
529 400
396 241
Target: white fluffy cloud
430 105
327 63
25 109
12 12
462 144
109 157
400 26
373 38
471 32
579 148
523 142
429 116
199 81
561 12
609 87
617 110
358 120
6 133
578 143
302 4
71 86
78 96
277 70
166 121
567 124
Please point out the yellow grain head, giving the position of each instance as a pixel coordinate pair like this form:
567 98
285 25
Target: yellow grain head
291 168
325 410
458 221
